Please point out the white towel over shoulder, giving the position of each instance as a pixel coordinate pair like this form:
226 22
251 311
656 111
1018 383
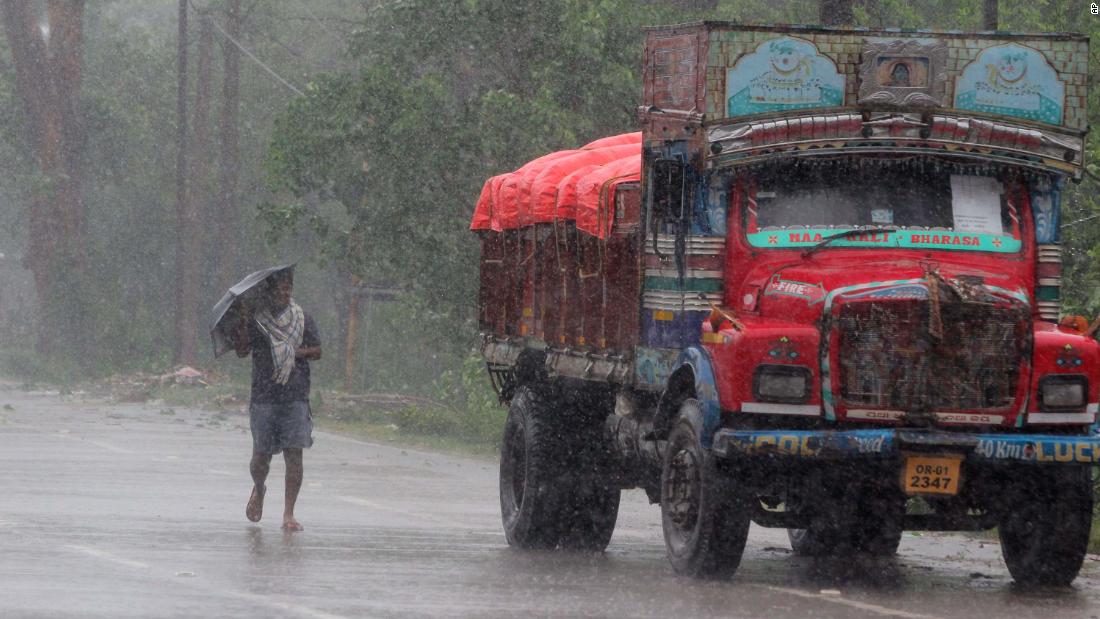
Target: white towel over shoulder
285 333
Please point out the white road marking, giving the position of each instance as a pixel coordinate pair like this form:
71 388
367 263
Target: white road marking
207 587
354 500
106 556
833 599
344 439
101 444
109 447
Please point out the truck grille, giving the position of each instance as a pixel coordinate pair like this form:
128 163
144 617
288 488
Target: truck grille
888 358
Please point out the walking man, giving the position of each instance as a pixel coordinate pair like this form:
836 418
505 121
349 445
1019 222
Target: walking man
283 340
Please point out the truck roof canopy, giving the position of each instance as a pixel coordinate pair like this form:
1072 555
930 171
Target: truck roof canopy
570 185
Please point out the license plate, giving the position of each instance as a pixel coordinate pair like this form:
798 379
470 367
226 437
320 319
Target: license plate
932 474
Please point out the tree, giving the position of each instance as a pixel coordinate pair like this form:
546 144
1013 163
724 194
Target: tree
228 226
188 242
836 13
989 14
48 60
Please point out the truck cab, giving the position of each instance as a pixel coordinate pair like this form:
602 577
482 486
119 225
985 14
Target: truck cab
841 276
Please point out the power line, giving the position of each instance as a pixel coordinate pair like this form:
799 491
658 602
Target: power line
1080 221
253 56
320 23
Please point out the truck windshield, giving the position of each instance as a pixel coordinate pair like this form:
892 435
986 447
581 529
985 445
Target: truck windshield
895 207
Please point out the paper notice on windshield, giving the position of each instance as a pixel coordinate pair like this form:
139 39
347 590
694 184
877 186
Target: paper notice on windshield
976 203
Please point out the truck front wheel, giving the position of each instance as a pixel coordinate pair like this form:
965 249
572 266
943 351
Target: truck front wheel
705 518
1045 533
529 463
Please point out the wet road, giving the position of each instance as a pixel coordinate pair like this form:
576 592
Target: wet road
138 511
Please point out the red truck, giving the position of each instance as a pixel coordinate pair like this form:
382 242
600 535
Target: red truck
820 290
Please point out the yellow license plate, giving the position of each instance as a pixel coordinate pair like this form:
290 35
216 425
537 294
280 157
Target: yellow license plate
932 474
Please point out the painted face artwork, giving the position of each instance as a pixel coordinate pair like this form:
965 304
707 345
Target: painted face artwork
900 75
783 74
1012 67
1012 80
784 58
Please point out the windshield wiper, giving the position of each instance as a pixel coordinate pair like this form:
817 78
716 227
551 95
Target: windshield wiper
843 235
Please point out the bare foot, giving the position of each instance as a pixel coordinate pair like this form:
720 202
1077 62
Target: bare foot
255 509
290 524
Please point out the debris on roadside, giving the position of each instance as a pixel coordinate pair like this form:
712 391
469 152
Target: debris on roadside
184 375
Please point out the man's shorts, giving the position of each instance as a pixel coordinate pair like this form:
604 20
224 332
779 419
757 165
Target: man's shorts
279 426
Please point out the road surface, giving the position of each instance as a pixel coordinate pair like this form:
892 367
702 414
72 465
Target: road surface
128 510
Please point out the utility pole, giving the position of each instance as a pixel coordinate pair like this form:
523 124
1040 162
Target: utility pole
203 195
186 263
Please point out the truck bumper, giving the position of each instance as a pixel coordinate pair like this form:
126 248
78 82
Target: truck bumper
889 444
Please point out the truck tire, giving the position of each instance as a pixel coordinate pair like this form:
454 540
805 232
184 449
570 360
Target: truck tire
1045 534
590 505
530 454
704 517
589 516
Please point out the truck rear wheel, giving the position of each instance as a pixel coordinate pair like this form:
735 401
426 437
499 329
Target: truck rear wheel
555 487
1045 533
529 456
589 516
705 520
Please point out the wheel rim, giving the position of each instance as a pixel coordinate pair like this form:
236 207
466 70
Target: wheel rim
517 457
682 492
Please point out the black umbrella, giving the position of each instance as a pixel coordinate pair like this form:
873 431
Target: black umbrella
226 315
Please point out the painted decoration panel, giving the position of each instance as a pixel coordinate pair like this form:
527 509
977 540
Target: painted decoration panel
1046 199
908 239
783 74
1012 80
908 72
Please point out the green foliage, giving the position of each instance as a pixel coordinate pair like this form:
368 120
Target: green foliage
375 169
23 364
471 412
448 93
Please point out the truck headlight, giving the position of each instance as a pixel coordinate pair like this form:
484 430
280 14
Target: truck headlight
782 383
1060 392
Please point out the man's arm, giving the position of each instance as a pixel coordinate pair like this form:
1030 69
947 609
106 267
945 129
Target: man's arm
309 353
243 343
310 350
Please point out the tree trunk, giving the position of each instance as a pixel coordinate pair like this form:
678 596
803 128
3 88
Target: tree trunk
228 225
48 80
203 189
989 14
351 344
66 48
836 12
186 260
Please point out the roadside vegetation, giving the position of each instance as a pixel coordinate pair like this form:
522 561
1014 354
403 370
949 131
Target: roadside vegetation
366 128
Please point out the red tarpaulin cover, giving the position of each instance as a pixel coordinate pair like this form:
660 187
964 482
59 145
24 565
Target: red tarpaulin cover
515 190
596 194
545 189
615 140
